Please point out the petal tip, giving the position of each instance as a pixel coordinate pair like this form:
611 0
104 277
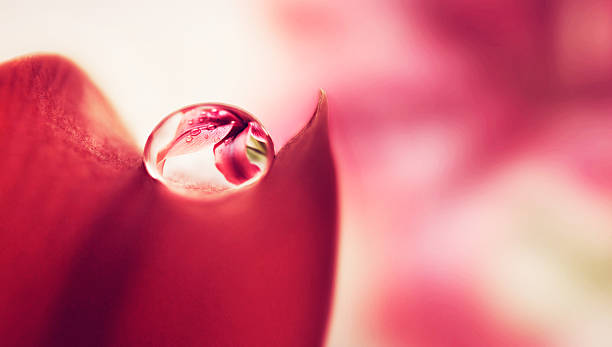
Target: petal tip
319 117
321 111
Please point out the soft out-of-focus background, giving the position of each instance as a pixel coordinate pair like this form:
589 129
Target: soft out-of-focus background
473 140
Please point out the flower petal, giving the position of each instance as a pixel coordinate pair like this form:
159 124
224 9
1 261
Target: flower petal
236 157
95 252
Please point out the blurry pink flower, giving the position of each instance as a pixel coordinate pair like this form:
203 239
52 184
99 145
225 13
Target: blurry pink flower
449 117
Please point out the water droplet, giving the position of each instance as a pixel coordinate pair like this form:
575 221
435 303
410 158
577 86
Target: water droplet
233 151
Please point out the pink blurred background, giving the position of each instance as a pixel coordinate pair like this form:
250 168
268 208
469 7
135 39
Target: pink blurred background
473 141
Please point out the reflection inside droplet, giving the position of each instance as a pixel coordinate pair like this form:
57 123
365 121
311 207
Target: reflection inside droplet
208 148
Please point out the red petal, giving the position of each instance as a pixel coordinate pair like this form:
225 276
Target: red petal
95 252
231 158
